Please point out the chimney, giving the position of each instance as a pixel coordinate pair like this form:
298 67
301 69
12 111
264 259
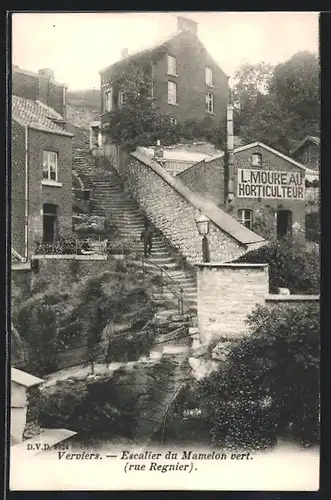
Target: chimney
124 53
229 156
185 24
46 73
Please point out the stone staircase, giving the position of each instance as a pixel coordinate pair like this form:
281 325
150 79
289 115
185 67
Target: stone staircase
109 199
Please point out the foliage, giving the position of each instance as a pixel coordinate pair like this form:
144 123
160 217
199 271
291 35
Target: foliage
269 387
37 322
313 226
291 265
82 310
84 406
278 105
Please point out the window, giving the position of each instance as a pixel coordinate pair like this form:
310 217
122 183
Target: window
121 98
245 217
210 102
172 66
173 121
256 160
108 100
209 77
50 165
172 93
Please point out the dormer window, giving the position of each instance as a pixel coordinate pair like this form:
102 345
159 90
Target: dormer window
172 66
256 160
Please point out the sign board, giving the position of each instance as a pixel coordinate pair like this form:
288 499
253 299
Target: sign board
270 184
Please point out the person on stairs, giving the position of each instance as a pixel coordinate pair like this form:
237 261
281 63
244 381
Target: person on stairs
147 238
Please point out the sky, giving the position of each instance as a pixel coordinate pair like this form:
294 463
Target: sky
77 45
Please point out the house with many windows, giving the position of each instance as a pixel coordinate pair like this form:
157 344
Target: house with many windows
187 83
41 197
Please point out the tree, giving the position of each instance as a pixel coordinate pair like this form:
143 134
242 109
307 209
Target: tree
37 323
295 86
269 386
138 122
252 83
280 105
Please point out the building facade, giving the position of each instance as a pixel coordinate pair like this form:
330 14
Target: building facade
308 152
41 176
186 81
40 86
268 188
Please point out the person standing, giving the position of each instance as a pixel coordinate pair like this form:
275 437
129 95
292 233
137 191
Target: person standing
147 238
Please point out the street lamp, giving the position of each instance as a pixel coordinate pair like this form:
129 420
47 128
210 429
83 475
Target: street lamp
202 223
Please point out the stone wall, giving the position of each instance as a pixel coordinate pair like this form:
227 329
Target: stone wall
173 209
226 294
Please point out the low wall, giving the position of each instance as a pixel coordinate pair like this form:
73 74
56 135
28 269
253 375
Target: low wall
226 294
290 300
173 208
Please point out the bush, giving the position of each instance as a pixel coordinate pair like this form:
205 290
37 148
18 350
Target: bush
291 265
269 387
83 406
313 227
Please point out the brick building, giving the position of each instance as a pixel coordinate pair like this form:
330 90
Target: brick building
40 86
41 176
308 152
268 188
187 82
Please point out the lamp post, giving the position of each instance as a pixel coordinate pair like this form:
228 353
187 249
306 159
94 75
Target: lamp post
202 223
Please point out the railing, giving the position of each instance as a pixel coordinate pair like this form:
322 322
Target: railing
72 246
162 285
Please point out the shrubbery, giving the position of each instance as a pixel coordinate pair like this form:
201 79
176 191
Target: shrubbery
269 386
83 406
291 265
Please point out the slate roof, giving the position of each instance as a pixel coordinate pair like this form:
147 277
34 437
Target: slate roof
178 156
24 378
150 51
143 52
263 146
36 115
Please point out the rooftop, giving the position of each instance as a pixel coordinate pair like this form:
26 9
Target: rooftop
184 156
24 378
309 138
16 69
36 115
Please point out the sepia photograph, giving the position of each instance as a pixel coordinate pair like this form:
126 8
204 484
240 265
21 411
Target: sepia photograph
164 328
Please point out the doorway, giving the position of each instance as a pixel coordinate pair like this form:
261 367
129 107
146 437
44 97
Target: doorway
284 223
49 222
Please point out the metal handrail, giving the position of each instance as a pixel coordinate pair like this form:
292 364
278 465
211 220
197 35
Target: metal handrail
162 271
